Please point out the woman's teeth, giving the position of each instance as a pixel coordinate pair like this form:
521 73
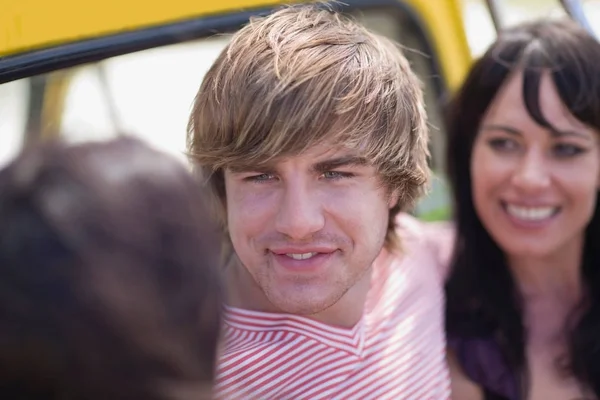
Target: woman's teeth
531 213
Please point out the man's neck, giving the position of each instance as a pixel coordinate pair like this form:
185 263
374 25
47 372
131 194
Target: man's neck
244 293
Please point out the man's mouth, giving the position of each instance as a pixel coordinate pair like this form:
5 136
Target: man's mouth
301 256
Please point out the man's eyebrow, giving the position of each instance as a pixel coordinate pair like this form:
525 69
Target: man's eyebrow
328 165
242 168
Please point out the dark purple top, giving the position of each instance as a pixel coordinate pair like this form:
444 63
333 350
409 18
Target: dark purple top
483 363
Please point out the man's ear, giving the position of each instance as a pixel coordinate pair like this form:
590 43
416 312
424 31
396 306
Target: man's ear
394 197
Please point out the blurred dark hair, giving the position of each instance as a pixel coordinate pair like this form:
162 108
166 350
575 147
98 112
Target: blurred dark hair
482 300
109 285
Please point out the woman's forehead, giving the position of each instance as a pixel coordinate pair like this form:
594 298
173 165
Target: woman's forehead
509 105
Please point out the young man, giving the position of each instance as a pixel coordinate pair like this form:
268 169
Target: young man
310 132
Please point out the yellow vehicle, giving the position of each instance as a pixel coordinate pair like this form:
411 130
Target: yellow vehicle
98 68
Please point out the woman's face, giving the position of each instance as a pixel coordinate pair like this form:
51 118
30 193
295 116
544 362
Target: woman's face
534 190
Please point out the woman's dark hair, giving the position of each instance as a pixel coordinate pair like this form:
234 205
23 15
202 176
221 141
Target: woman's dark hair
482 298
109 285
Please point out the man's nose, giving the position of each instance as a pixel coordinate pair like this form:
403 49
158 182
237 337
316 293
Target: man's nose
300 213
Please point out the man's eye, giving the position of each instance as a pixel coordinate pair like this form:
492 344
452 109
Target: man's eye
335 175
260 178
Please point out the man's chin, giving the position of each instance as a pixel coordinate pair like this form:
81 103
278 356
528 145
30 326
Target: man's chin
301 306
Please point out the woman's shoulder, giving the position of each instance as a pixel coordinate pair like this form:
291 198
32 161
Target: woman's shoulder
462 387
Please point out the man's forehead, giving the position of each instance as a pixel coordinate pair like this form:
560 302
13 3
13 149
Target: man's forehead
320 153
327 150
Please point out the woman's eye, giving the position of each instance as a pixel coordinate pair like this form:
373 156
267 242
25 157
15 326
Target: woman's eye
567 150
503 144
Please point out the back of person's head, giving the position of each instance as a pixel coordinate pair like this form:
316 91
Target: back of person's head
303 76
109 285
481 294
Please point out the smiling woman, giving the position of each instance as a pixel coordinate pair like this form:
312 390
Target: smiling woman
524 162
534 188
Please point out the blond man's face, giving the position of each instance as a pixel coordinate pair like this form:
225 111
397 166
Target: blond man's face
307 228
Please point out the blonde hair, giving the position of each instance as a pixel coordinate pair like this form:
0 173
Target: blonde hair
302 76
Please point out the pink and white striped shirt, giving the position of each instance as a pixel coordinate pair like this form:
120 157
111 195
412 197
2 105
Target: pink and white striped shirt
396 351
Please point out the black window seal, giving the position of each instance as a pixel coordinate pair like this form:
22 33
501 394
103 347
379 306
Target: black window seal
37 62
